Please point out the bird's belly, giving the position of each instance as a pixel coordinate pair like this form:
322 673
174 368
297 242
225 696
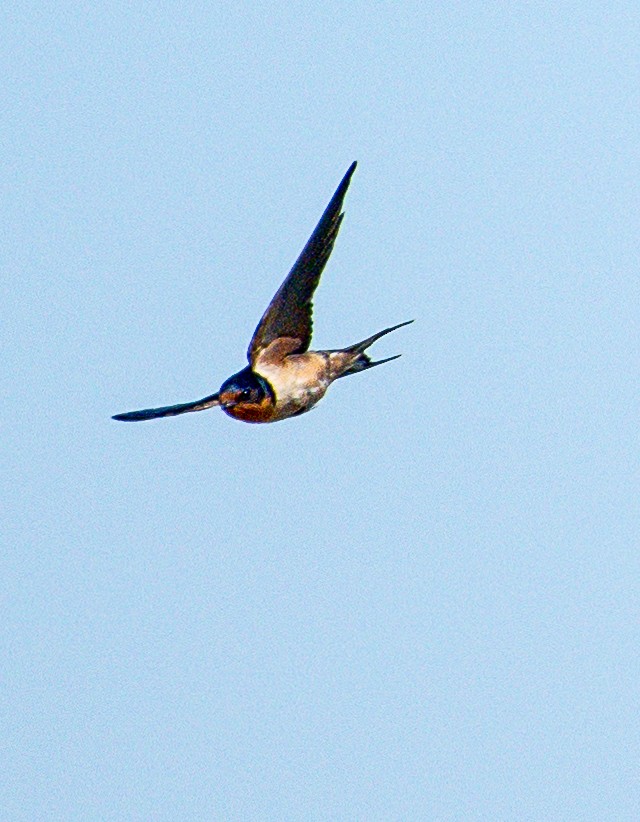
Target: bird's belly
296 402
298 384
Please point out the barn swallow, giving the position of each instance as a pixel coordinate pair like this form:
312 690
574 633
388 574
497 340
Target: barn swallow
283 378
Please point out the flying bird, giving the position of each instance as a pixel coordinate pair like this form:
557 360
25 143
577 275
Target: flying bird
283 378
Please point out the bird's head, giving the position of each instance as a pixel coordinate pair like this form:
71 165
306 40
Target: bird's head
247 396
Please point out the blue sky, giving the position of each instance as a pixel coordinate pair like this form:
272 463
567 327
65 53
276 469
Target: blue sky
419 601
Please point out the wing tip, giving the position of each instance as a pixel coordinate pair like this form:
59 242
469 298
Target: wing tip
130 416
348 174
341 191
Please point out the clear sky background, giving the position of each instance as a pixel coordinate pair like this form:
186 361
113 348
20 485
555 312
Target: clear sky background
421 600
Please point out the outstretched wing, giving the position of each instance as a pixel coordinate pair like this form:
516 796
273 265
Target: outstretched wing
169 410
289 313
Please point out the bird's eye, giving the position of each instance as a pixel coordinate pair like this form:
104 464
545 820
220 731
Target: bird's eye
245 394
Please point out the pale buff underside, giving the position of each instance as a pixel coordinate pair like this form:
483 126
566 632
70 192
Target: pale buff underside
299 381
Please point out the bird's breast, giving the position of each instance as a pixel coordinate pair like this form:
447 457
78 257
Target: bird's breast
298 382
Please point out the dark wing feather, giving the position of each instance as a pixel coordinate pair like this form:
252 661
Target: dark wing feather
290 312
168 410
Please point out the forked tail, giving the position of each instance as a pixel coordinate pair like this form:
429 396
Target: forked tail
355 358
